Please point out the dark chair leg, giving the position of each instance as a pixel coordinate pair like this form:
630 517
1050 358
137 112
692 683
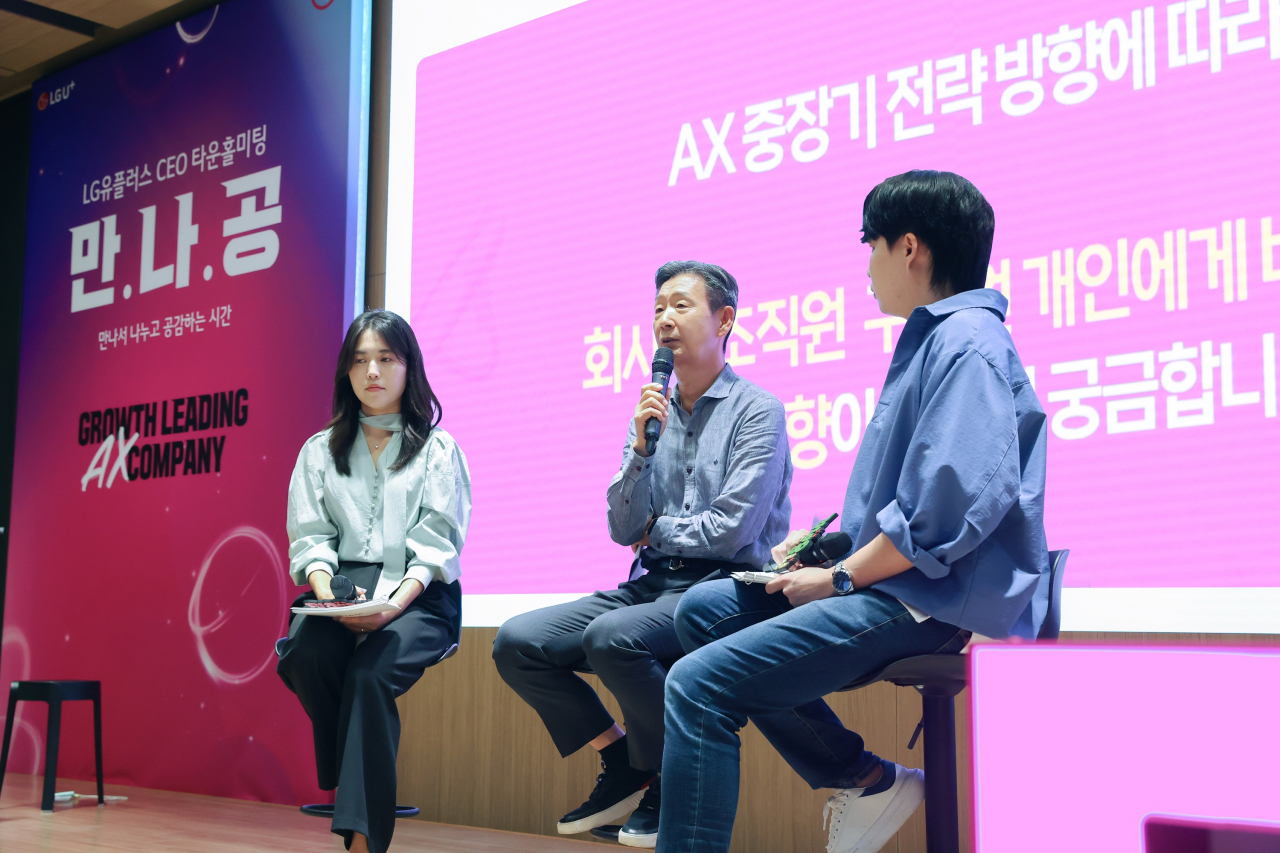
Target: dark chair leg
51 752
942 816
8 735
97 740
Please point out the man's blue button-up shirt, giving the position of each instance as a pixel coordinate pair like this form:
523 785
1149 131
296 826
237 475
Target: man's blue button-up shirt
952 468
718 483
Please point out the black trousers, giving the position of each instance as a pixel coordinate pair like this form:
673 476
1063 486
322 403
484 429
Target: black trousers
348 689
626 636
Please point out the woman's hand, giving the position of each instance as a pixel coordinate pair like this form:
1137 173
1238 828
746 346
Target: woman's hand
319 582
372 622
408 590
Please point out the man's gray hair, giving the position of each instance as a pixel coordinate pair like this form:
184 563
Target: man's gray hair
722 288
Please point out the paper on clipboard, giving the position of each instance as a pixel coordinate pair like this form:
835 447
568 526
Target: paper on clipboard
356 608
755 577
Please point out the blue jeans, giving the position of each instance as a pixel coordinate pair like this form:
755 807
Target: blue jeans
753 655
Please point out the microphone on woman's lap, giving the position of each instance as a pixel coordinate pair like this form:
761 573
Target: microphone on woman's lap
342 588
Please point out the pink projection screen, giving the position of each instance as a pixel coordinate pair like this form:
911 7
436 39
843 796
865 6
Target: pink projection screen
1043 718
1130 155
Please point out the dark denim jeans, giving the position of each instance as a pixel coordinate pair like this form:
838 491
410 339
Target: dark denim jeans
752 655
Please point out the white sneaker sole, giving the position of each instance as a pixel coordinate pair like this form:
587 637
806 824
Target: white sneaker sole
609 815
647 841
904 804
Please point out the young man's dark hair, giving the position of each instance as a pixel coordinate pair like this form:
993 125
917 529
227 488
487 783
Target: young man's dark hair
722 287
947 214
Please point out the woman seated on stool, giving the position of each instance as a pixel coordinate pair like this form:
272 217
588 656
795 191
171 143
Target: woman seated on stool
382 497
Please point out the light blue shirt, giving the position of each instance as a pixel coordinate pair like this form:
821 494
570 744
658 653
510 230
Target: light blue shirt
952 469
718 482
413 521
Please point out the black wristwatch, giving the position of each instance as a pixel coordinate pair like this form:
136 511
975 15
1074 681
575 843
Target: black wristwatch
841 580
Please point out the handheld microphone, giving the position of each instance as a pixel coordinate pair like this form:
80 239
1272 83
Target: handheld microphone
830 546
663 364
342 588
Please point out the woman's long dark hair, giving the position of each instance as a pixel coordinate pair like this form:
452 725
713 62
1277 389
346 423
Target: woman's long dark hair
419 408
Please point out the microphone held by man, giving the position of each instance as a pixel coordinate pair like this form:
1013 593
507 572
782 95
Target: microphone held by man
663 365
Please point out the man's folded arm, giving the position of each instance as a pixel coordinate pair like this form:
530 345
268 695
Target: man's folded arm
961 472
753 476
628 494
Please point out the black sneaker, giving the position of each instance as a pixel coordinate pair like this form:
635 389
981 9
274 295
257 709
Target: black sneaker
641 829
617 792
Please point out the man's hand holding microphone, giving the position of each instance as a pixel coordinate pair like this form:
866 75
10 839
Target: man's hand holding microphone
655 402
651 413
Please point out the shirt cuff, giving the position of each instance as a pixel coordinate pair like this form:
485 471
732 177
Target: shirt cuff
638 467
421 574
317 566
894 525
661 532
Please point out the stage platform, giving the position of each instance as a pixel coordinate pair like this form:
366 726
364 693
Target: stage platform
190 823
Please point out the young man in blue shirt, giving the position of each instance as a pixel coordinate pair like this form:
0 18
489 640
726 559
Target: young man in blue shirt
945 506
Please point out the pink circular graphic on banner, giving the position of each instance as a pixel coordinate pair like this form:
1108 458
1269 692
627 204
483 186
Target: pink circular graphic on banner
192 39
14 637
246 609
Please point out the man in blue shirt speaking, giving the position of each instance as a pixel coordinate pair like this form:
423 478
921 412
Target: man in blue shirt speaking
945 507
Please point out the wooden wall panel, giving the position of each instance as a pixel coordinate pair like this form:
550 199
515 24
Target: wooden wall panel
472 753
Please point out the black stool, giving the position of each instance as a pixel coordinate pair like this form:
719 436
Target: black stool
55 693
326 810
938 678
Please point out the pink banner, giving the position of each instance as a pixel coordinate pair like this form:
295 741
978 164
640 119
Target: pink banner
1126 152
183 298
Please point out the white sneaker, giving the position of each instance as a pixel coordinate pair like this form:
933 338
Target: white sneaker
862 823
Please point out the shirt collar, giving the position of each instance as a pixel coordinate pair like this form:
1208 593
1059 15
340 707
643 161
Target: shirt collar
721 387
982 297
392 423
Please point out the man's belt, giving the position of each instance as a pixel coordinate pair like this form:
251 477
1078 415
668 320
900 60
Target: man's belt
677 564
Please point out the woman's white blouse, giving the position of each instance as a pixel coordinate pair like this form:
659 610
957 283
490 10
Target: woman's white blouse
413 521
